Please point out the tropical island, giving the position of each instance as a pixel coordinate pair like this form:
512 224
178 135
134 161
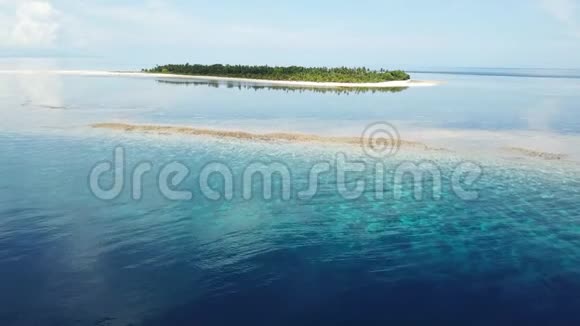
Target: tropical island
291 73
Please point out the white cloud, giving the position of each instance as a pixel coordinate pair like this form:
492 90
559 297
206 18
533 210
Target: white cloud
170 30
561 9
163 25
565 11
28 24
36 24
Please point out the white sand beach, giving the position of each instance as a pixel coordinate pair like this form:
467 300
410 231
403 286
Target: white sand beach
389 84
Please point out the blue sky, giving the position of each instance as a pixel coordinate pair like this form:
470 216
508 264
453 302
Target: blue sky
452 33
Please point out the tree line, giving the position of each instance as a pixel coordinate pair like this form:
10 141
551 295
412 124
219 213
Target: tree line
292 73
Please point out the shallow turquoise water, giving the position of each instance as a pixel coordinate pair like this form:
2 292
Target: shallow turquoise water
69 258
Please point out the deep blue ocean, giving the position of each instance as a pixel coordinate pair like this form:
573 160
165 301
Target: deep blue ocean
510 256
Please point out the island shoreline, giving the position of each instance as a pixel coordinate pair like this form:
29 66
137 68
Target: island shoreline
265 82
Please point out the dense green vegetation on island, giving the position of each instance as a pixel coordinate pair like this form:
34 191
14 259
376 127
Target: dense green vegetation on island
292 73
